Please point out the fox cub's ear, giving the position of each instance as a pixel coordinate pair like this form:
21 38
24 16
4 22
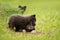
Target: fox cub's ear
34 15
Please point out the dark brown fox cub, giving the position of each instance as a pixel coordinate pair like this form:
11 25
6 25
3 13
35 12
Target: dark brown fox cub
21 23
22 8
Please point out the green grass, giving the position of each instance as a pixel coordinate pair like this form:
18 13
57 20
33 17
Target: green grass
47 15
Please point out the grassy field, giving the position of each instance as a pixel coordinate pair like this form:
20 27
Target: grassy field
47 15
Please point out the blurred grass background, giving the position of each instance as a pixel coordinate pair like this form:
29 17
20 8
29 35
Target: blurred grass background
47 14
